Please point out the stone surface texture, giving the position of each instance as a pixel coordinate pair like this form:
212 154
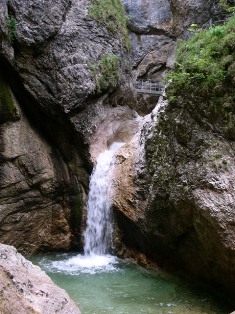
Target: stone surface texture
28 288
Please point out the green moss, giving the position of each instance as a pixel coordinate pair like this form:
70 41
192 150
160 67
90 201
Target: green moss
111 14
7 108
106 72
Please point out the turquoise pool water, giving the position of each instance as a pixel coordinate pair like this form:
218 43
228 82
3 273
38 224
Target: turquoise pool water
107 285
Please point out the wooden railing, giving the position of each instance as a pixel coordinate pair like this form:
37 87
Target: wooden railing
149 87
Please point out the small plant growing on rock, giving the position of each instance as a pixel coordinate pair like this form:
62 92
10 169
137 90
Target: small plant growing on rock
204 76
107 72
11 26
202 62
227 5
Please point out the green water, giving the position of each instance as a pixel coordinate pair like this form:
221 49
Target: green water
123 288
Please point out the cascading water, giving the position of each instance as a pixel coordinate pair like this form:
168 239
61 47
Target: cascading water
98 232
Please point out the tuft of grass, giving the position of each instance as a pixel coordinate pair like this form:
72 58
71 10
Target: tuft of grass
226 5
111 13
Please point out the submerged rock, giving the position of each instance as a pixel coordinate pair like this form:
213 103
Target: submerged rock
25 288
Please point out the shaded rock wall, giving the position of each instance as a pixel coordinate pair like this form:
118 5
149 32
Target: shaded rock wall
25 288
38 189
191 203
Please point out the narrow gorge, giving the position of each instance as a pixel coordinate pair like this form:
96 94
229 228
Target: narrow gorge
128 107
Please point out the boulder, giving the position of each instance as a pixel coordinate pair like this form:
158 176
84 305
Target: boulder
25 288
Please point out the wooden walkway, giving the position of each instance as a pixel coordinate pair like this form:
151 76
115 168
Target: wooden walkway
149 87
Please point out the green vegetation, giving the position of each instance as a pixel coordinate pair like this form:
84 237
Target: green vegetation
204 59
204 75
107 72
205 62
11 25
111 13
7 107
225 5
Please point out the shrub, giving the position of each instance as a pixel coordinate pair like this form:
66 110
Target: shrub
203 81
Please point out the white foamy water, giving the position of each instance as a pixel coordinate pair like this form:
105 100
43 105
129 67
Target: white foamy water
78 264
98 233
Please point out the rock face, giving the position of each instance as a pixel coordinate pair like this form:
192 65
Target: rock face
38 191
28 288
54 50
177 202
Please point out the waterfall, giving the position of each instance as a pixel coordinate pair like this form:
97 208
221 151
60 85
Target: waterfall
98 233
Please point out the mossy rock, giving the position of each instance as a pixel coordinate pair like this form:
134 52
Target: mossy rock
8 111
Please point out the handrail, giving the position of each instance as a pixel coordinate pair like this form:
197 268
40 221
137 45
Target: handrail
148 87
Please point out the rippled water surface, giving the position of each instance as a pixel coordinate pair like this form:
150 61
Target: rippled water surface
105 284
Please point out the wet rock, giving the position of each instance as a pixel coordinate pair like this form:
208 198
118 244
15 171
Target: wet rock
25 288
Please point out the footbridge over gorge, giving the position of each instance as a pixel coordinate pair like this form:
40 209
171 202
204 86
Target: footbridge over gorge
149 87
